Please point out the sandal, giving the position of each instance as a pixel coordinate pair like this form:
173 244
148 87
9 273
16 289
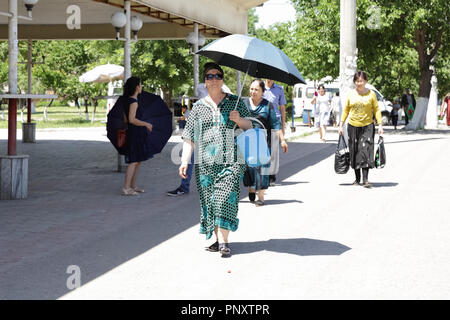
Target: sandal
139 190
356 183
259 203
129 192
225 250
367 184
214 247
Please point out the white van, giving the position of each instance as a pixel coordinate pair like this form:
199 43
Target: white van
304 93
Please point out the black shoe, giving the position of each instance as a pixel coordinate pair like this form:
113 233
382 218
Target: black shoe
214 247
272 179
225 250
252 196
176 192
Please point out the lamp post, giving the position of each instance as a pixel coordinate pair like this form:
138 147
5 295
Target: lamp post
131 24
134 24
196 40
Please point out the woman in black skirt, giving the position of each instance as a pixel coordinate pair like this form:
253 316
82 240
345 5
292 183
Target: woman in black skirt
137 142
362 108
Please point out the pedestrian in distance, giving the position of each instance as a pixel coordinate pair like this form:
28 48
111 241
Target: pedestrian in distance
184 115
185 184
445 108
323 101
408 105
210 125
137 132
275 95
394 113
361 107
336 108
262 110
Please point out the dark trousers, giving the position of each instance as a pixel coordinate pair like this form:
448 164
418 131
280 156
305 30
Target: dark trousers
365 172
395 121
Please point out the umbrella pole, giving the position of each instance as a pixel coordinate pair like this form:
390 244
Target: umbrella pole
242 86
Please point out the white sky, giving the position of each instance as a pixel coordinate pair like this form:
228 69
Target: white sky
275 11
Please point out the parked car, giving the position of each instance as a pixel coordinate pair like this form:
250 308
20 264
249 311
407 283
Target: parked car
304 93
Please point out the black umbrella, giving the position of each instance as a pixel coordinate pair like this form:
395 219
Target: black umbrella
154 111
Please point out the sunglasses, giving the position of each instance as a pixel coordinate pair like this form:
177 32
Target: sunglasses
211 76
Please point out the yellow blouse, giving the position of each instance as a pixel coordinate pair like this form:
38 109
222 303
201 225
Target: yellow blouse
361 108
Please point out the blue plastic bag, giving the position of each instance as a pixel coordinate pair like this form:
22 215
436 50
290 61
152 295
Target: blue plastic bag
252 144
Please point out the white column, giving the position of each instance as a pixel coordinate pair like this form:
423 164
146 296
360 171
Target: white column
13 46
432 105
348 50
127 51
195 49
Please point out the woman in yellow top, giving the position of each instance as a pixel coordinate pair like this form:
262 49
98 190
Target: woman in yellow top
361 107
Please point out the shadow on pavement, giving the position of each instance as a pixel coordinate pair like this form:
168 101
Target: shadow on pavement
374 184
290 183
415 140
299 246
75 216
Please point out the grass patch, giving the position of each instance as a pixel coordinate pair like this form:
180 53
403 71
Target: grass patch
60 117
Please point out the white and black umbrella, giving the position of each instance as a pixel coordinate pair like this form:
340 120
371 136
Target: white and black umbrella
253 56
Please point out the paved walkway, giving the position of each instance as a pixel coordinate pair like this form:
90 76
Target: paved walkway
317 237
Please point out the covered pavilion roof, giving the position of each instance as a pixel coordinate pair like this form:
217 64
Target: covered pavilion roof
162 19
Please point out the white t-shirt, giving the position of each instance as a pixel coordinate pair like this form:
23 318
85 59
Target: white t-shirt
323 103
336 101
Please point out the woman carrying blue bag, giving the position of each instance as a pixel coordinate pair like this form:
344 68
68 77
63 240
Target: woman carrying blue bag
210 127
262 110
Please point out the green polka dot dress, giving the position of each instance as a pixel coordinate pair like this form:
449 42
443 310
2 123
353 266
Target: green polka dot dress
218 172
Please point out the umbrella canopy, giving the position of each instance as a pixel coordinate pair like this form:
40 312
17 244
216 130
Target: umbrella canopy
154 111
103 73
253 56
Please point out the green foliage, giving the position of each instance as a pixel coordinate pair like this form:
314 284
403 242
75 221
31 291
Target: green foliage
396 41
164 64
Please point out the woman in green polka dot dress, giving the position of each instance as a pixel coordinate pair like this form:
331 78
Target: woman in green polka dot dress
210 126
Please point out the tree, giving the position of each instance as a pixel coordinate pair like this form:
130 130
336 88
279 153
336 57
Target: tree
164 64
398 41
421 26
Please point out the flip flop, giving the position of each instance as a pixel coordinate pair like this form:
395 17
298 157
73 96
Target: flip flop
129 192
214 247
225 250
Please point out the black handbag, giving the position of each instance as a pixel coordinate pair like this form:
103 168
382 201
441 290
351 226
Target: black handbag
341 157
380 154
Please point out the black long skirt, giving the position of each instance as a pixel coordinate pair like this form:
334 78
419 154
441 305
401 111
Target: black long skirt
361 146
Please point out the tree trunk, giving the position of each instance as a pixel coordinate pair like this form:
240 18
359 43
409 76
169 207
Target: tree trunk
77 103
45 110
86 109
95 109
426 56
